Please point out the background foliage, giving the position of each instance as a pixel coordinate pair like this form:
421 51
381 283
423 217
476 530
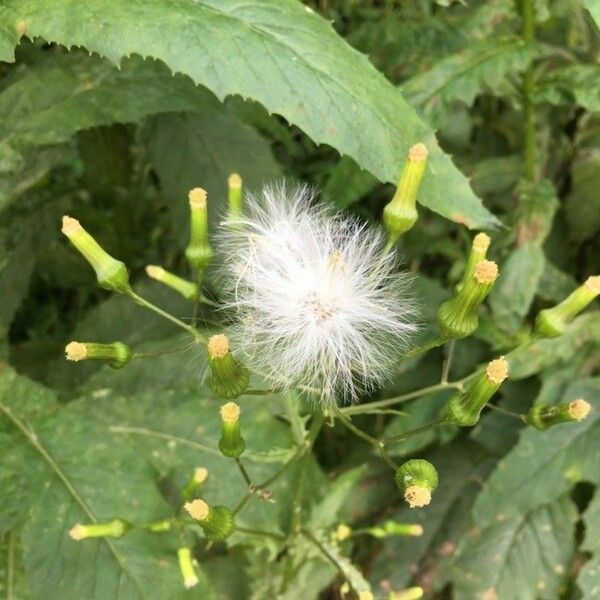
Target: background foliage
111 110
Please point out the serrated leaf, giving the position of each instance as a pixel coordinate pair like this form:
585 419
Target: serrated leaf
191 150
575 84
462 76
582 207
544 465
524 557
287 58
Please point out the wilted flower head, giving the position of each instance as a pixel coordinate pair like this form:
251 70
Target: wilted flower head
320 302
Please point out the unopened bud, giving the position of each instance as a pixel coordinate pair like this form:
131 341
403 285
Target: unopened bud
400 214
389 528
464 409
216 521
543 417
417 479
342 532
110 272
479 248
186 288
457 317
186 567
199 251
116 528
231 443
552 322
235 197
198 477
229 378
116 354
413 593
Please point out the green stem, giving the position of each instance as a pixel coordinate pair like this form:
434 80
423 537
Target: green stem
244 473
508 413
529 150
160 352
10 564
448 361
401 437
422 349
146 304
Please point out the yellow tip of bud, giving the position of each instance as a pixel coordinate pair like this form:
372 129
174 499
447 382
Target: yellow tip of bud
365 595
497 370
75 351
200 475
77 532
155 272
218 346
416 530
417 496
418 152
342 532
235 181
481 242
230 412
197 509
579 409
197 198
593 284
70 226
190 582
486 271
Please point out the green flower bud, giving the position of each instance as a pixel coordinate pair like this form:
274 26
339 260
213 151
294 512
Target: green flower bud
342 533
543 417
464 409
457 317
231 443
553 321
229 379
186 567
389 528
117 528
186 288
199 251
400 214
235 197
111 273
117 354
216 521
196 480
413 593
417 479
479 248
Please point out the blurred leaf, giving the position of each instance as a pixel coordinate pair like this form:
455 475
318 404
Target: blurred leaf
589 577
544 465
582 207
347 183
191 150
287 58
555 285
524 557
483 65
496 175
594 7
574 84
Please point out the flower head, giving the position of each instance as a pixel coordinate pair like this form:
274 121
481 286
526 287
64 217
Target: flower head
320 302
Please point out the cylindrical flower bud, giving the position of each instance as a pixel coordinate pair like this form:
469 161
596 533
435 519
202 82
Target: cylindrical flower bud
413 593
400 214
543 417
552 322
389 528
186 288
186 567
111 273
417 479
196 480
229 379
116 528
231 443
199 251
216 521
235 197
457 317
464 409
117 354
479 248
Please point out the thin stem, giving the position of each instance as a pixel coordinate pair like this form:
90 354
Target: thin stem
145 303
508 413
160 352
448 361
401 437
529 150
422 349
310 537
365 408
252 392
249 531
244 473
10 563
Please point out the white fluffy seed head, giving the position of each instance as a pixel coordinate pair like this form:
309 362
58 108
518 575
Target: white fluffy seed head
319 302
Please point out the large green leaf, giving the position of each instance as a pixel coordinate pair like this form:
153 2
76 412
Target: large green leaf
594 7
589 577
281 54
524 557
575 84
483 65
544 465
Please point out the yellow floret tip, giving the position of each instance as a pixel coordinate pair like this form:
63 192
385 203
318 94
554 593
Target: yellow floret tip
497 370
230 412
197 198
76 351
218 345
579 409
197 509
417 496
486 271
